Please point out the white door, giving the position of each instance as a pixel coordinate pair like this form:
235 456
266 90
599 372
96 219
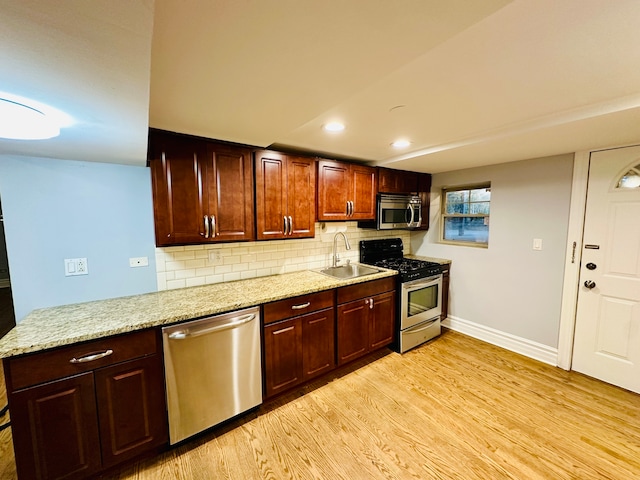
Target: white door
607 335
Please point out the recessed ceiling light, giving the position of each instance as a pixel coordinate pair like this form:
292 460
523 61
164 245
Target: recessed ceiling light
24 119
333 127
401 143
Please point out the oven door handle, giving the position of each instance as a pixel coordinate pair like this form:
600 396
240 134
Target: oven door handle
426 325
421 283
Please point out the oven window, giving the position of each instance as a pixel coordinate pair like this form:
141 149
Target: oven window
422 300
394 215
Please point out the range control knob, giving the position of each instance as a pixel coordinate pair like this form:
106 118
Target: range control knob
589 284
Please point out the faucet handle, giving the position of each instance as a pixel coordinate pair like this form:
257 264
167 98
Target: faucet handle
348 261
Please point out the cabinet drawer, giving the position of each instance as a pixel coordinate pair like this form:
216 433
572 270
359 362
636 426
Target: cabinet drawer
49 365
294 306
366 289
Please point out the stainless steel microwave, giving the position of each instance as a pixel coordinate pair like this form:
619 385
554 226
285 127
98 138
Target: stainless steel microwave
397 211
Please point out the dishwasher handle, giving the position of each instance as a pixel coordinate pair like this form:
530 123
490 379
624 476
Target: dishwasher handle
235 322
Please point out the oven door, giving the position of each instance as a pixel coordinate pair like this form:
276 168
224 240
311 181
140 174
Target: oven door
421 300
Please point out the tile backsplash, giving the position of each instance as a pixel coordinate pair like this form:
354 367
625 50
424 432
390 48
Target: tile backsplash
192 265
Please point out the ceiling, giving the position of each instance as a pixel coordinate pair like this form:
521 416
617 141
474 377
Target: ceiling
468 83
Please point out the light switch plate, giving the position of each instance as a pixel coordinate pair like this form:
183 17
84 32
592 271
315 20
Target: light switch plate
537 244
139 262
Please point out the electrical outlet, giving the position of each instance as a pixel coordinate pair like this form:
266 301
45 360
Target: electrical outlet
215 257
139 262
75 266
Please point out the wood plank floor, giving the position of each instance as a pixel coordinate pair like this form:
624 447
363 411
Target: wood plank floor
456 408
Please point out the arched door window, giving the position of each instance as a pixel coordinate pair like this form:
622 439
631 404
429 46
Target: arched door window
631 179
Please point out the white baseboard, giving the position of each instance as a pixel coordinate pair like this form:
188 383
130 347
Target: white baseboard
528 348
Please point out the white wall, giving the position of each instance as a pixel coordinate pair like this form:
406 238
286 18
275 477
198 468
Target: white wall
508 286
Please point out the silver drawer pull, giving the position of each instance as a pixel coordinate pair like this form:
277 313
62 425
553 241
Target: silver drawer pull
301 306
91 357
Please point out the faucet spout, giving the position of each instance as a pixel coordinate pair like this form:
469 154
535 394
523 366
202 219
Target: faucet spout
334 256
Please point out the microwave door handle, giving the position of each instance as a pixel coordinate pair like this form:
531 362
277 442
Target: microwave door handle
410 208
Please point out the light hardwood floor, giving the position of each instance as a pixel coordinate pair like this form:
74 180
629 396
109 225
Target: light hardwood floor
456 408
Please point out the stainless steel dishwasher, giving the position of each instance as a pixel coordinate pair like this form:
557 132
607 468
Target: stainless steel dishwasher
212 370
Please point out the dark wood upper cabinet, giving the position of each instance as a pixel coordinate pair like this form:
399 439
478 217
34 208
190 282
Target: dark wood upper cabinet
346 191
397 181
424 191
202 190
285 195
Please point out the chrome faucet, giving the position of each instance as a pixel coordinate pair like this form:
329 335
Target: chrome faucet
335 257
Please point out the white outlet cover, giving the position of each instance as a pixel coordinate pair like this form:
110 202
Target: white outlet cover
75 266
139 262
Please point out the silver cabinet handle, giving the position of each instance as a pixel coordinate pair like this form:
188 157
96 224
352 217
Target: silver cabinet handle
371 303
235 322
91 357
290 225
352 208
206 227
301 306
347 208
213 226
286 227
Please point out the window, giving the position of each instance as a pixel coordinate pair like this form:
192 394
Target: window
465 215
631 179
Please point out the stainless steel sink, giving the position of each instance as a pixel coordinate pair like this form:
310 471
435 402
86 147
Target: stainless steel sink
351 270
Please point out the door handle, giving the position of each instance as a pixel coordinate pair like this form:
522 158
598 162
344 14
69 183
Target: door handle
233 323
589 284
290 225
213 226
206 226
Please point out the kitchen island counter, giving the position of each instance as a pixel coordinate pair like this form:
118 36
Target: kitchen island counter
68 324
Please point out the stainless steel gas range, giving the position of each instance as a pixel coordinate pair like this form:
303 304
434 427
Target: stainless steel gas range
419 291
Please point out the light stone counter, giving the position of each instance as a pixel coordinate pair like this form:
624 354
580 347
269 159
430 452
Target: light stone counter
57 326
441 261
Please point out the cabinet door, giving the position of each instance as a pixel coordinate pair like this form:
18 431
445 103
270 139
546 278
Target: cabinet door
364 191
229 184
131 408
271 194
445 292
424 191
55 429
283 356
301 196
179 195
382 322
318 343
353 330
334 189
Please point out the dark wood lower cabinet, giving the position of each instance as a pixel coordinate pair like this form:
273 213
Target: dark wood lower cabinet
318 343
55 429
366 318
283 355
353 327
130 398
76 426
298 349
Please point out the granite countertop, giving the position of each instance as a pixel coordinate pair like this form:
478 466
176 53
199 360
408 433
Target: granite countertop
441 261
64 325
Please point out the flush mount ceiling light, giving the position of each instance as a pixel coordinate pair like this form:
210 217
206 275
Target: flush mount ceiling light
401 143
333 127
24 119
